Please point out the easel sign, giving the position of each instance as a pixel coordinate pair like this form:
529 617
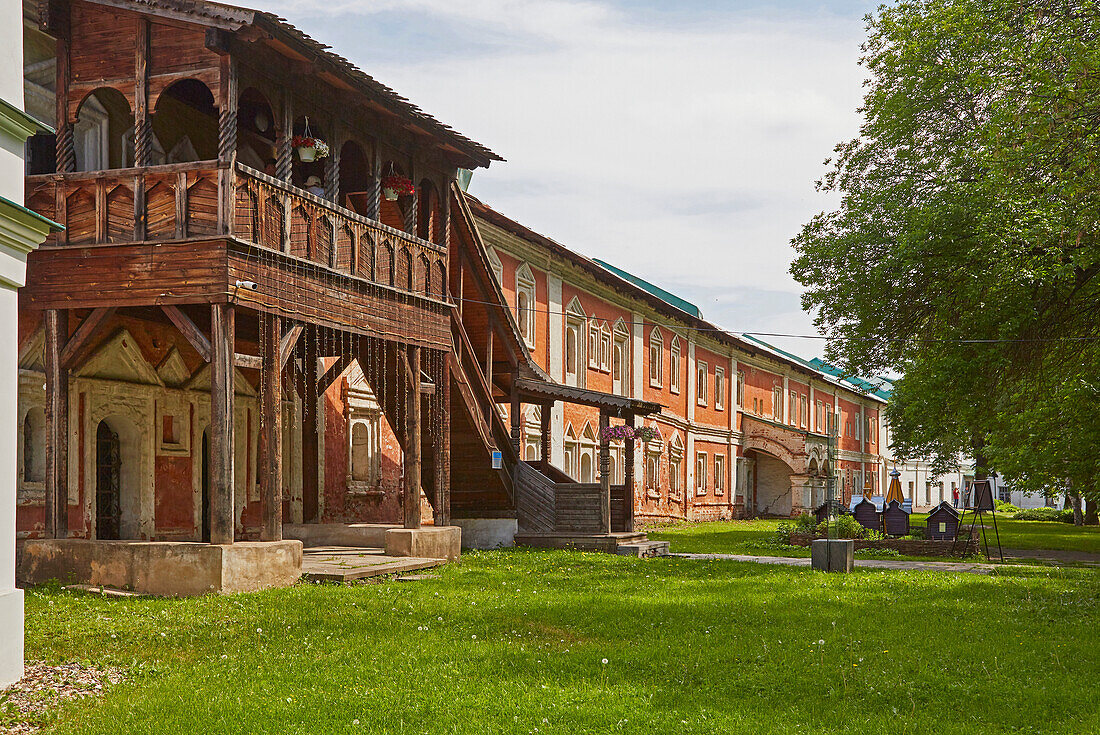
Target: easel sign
498 460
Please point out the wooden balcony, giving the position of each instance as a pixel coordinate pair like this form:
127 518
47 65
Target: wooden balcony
187 233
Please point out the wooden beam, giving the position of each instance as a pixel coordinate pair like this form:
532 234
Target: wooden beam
412 447
271 435
287 342
223 338
311 501
334 372
77 345
544 430
443 460
57 425
252 362
189 330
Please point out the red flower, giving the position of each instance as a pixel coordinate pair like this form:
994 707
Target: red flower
399 184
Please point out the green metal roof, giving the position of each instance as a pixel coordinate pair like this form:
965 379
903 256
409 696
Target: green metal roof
878 387
669 298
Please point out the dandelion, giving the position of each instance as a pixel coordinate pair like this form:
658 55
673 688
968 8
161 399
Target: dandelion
605 661
259 630
821 643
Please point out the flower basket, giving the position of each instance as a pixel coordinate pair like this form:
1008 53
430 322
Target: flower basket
394 186
309 148
647 434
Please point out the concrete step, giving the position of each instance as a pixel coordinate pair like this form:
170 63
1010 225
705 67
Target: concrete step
642 549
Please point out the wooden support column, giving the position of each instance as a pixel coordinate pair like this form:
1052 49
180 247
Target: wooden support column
517 426
605 474
412 205
65 150
271 439
311 450
544 431
222 343
412 442
227 143
443 444
374 204
283 152
57 424
142 126
332 174
628 477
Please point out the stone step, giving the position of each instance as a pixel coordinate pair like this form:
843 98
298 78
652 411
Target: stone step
642 549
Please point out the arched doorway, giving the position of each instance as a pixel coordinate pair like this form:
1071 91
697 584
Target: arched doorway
185 121
255 131
355 178
99 134
204 498
108 488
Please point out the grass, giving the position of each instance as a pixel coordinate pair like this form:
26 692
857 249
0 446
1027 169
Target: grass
755 536
516 642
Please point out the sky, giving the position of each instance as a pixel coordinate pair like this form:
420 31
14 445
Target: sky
677 139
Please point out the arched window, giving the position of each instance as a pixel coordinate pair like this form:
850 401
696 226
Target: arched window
574 345
186 122
674 366
256 131
656 357
620 358
365 451
571 451
34 446
525 304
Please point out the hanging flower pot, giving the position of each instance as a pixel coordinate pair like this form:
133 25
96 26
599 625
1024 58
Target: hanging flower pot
309 148
394 186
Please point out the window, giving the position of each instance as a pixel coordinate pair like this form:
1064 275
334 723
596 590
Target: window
571 452
656 357
588 454
701 383
605 348
620 359
701 473
593 344
719 474
857 427
848 428
756 405
574 335
719 388
525 304
803 411
792 409
911 495
777 403
365 450
675 465
674 366
740 387
652 471
819 417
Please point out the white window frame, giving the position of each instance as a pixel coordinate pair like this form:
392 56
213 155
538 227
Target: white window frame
525 317
675 465
804 411
675 362
606 341
495 265
777 404
702 377
656 369
575 320
792 408
701 469
719 474
740 397
719 388
620 375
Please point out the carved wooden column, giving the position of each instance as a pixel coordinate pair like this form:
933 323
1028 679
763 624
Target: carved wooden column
223 348
412 440
227 143
66 153
271 439
374 205
516 419
544 432
411 205
332 174
605 472
57 424
284 134
628 477
143 131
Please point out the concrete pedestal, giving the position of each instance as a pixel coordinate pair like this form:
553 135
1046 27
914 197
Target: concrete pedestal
487 533
430 542
166 568
832 555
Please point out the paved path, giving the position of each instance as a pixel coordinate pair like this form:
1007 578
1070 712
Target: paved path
925 566
1055 555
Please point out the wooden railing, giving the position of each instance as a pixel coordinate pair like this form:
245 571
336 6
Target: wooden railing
546 506
185 201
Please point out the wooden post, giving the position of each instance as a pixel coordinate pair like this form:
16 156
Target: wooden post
284 162
66 152
605 473
443 457
271 440
310 443
628 477
332 175
142 127
544 432
514 416
412 205
222 343
57 424
412 442
227 143
374 204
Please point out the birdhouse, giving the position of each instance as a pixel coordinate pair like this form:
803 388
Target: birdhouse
895 519
943 523
867 515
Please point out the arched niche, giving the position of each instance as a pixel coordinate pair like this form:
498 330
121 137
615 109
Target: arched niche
102 121
185 122
256 131
355 177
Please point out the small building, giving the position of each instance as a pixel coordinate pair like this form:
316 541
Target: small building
868 515
943 523
895 519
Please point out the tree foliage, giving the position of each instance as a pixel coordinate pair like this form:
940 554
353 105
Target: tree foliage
964 253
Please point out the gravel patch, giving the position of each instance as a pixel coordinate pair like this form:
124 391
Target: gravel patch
26 706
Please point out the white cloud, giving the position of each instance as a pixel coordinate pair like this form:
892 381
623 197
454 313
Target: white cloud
685 152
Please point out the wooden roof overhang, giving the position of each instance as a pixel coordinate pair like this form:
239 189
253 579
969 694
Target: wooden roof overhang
224 21
540 391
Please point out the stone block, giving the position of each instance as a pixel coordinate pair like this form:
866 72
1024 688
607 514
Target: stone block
832 555
367 535
431 542
165 568
487 533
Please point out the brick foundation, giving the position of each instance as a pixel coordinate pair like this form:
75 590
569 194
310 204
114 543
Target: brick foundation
906 547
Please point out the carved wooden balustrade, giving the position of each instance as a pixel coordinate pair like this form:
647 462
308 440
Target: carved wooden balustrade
186 233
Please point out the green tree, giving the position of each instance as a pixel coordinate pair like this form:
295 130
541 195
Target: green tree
963 254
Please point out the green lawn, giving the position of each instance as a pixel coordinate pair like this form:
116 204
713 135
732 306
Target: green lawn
750 537
516 642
